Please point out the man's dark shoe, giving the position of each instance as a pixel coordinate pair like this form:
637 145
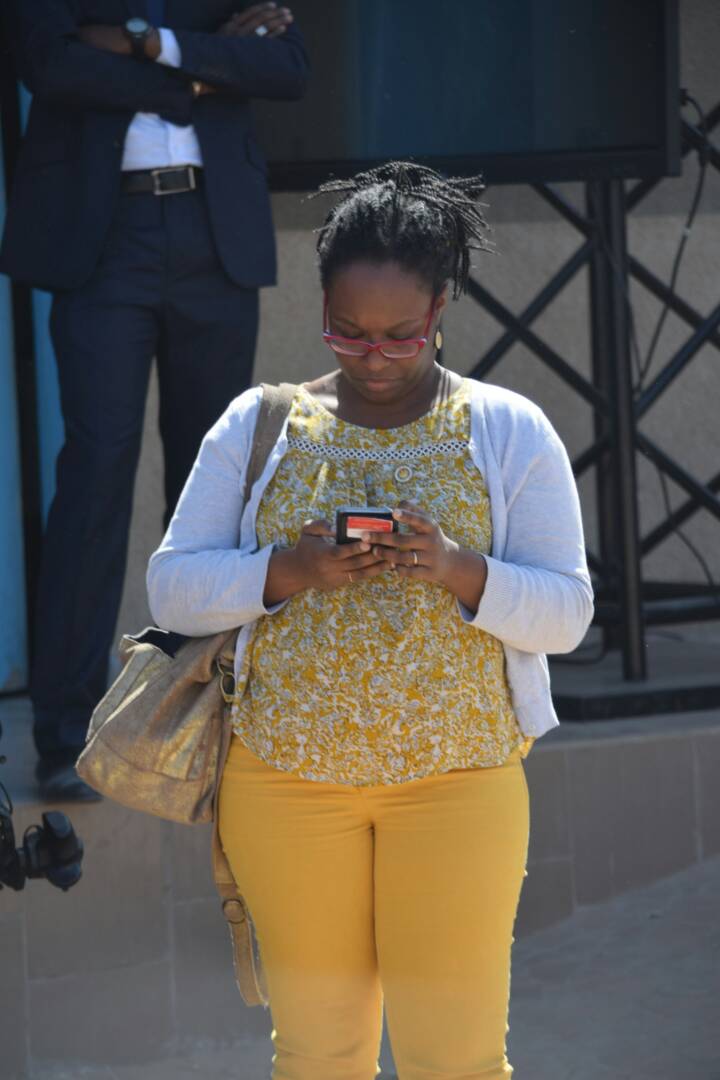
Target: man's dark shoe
58 782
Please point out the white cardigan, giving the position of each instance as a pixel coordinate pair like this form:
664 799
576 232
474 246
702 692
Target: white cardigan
208 574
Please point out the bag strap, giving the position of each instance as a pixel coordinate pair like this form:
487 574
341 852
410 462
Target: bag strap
249 974
274 408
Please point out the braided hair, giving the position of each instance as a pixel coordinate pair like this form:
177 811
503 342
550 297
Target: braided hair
409 214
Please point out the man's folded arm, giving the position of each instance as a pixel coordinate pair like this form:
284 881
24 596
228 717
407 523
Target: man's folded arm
58 68
249 66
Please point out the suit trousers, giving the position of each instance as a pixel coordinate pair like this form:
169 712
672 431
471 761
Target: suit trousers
402 895
159 291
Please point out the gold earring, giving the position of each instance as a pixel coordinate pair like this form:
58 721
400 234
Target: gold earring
438 339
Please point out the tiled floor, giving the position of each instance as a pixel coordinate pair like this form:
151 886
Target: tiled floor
626 990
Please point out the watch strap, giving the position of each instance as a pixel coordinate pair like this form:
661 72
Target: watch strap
137 41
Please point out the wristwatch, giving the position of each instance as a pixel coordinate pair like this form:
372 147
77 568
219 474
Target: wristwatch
137 31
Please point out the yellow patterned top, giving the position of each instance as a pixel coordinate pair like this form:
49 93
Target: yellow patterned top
382 681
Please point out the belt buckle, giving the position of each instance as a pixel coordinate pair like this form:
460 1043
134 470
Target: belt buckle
157 173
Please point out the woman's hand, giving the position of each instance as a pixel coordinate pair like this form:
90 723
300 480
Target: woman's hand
428 554
424 552
327 565
318 562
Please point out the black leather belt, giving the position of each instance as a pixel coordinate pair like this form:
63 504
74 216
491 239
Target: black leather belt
171 180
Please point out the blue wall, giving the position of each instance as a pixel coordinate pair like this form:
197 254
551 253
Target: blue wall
51 431
13 628
13 624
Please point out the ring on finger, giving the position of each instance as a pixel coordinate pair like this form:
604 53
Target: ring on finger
350 577
416 561
261 30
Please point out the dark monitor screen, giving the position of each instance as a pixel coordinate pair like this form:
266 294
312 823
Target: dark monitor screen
520 89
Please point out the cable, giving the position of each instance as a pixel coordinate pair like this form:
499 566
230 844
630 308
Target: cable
6 803
581 661
704 158
681 535
642 366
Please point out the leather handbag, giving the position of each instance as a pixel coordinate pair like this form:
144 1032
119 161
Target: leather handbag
158 739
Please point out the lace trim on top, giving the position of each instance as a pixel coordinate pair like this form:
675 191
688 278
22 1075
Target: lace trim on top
449 447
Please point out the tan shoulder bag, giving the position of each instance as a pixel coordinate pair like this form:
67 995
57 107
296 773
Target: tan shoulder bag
158 739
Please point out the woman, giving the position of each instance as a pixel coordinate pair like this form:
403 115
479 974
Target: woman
374 807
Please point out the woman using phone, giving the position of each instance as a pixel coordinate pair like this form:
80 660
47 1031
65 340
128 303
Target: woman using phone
374 807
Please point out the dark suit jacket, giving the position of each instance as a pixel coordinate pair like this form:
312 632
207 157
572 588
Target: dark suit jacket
68 177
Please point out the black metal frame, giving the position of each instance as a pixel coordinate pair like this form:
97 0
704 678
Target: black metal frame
625 603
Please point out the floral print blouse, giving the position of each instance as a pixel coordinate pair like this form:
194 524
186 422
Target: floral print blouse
381 681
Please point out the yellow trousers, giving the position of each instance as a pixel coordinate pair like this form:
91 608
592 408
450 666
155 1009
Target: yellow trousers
402 894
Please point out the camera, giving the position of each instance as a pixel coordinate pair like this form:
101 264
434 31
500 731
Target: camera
52 850
352 521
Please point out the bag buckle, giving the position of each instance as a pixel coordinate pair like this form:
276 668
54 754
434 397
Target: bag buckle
234 912
227 679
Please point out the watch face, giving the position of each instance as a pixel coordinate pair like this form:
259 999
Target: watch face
137 26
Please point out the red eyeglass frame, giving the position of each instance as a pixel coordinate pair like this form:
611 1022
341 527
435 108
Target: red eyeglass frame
421 342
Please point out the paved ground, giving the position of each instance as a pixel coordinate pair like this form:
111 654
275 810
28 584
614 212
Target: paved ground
627 990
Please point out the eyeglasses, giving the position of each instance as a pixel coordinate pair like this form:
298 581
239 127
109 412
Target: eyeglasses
397 349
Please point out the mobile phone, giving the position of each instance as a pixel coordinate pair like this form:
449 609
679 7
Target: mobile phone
352 521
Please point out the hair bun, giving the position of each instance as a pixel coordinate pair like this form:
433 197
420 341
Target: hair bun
380 218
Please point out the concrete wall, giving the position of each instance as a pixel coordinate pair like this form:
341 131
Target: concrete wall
532 241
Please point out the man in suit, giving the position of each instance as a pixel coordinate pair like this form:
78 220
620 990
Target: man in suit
140 201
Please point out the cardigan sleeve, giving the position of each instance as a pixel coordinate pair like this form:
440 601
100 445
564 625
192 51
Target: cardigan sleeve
538 597
199 581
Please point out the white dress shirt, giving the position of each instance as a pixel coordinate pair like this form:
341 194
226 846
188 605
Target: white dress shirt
153 143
